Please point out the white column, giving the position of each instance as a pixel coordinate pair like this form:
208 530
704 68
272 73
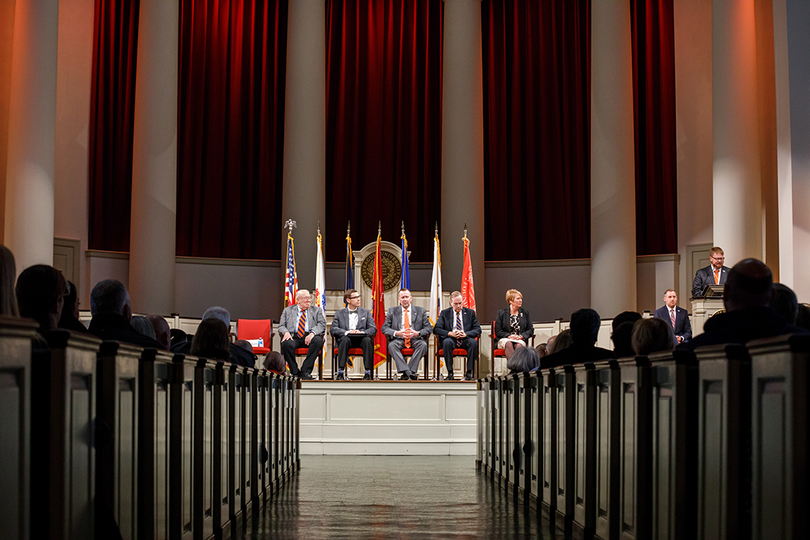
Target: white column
613 202
784 174
304 196
31 134
737 196
154 161
463 144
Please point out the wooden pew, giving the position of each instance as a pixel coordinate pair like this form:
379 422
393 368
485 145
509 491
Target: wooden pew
205 447
277 420
296 451
779 426
525 451
63 437
674 444
549 438
221 485
117 391
565 444
724 442
584 521
482 423
512 452
608 402
493 448
535 472
263 442
153 444
249 456
15 423
183 436
236 438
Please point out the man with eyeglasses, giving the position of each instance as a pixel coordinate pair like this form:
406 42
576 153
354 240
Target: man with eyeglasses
714 274
353 327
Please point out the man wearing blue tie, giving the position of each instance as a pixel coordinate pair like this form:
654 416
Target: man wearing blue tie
675 316
302 325
457 328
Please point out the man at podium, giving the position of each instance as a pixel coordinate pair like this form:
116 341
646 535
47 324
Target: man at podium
714 274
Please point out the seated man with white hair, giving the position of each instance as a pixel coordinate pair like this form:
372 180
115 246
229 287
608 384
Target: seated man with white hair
302 326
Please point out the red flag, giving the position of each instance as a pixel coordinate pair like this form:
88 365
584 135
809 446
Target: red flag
378 307
467 288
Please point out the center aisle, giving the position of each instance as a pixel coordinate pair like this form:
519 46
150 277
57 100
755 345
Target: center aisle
391 497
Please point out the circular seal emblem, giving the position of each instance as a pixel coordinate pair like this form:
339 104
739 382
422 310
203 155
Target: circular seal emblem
391 269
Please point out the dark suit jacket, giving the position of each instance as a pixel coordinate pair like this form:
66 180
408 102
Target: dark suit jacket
742 326
682 326
576 353
705 277
447 322
419 322
502 328
365 322
116 327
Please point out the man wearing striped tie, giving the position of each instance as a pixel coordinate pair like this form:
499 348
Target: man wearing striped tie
675 316
457 328
714 274
302 326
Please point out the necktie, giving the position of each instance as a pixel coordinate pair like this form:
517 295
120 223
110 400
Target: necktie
459 328
672 317
302 324
407 324
717 276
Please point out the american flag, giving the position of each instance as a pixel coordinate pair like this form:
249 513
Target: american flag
291 275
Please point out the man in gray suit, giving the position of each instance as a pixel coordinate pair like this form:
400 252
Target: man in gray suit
407 326
302 325
354 326
714 274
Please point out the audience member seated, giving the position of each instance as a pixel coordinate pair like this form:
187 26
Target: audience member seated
70 311
179 341
747 297
247 347
785 302
584 331
559 342
238 355
212 341
162 331
803 317
513 326
273 361
652 335
111 310
542 350
523 360
623 333
8 273
143 326
40 295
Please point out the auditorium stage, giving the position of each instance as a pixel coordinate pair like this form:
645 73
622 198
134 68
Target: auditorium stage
388 418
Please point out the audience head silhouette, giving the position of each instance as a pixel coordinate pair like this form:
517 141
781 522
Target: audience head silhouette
217 312
274 362
110 297
40 295
143 326
560 341
162 331
785 302
211 340
523 360
585 326
652 335
623 339
749 284
8 272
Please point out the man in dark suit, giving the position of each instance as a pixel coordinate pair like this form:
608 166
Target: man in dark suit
111 310
714 274
675 316
407 326
353 326
302 325
457 327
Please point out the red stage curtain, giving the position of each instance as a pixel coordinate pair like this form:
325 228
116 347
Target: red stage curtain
654 107
231 127
383 121
537 128
115 44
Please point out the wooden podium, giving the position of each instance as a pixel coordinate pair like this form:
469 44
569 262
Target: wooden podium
702 309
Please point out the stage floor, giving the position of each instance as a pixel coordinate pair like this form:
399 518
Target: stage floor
388 418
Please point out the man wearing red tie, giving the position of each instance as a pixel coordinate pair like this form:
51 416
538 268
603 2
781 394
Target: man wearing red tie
675 316
714 274
302 325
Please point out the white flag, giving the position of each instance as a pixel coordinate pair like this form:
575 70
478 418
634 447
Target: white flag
436 283
320 286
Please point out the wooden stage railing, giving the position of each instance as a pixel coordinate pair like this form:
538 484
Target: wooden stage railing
711 444
102 438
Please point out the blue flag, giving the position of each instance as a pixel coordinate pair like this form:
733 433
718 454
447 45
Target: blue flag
405 283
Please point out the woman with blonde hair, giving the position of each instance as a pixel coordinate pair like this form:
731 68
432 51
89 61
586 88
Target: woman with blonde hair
513 326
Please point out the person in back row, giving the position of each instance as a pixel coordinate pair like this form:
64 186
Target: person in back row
111 310
584 331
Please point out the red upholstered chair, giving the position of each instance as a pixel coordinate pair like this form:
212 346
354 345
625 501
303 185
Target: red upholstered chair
253 330
438 357
301 352
406 354
353 352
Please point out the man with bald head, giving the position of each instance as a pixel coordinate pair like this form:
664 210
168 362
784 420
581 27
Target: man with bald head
747 297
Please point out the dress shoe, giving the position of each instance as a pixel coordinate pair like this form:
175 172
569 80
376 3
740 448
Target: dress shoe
450 377
404 376
307 377
367 377
414 377
468 376
340 376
